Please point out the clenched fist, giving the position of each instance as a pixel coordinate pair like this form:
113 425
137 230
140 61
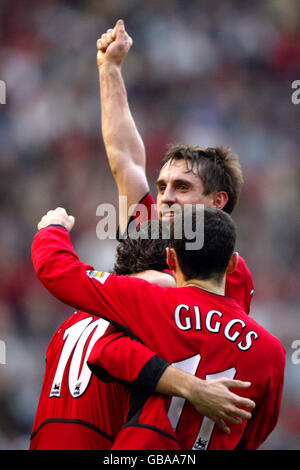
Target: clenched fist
114 45
58 216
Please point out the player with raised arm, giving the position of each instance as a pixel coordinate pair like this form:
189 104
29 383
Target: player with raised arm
188 174
193 326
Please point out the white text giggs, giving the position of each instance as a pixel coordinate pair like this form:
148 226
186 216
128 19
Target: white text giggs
186 320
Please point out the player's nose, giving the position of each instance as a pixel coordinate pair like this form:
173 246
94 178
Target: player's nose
169 195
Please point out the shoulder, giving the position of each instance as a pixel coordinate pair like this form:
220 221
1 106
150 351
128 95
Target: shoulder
243 268
272 349
147 199
144 207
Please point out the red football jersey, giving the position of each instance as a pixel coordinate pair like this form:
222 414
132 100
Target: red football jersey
76 410
239 283
206 334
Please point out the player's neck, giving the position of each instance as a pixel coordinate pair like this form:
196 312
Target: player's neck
208 285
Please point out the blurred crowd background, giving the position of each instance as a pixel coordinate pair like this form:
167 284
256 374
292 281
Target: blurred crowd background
200 72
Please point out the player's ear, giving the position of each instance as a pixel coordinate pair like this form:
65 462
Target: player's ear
233 262
220 199
171 258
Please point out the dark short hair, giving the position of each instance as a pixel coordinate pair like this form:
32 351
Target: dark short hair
147 251
218 168
211 261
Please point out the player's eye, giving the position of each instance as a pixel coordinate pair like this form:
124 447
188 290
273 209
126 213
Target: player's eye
161 188
182 187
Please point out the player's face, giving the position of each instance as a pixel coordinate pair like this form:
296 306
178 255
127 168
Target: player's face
176 187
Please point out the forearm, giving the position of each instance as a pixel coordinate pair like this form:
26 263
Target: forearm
156 277
122 358
122 140
176 382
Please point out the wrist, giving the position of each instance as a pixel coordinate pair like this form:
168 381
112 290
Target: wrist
193 386
109 66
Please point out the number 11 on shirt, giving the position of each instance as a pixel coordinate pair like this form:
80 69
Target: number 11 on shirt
176 406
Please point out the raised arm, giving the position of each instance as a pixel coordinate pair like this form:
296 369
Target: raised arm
124 146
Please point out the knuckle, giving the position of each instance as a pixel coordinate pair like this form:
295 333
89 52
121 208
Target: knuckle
246 403
224 381
237 400
231 410
228 409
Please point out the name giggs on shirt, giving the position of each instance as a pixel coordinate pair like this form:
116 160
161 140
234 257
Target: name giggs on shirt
183 320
